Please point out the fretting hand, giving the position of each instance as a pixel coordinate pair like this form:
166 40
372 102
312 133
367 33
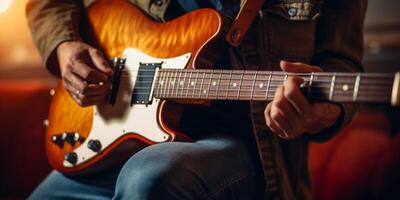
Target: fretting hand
84 72
290 114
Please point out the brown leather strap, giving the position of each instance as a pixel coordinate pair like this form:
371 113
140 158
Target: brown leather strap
243 21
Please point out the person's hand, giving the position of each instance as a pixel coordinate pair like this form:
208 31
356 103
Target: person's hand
290 114
84 72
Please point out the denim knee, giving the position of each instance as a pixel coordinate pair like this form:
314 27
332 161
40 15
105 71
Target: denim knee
157 174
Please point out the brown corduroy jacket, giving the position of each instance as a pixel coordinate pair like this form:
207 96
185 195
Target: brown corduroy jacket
325 33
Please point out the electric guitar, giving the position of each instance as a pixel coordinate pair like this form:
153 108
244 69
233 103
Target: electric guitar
159 62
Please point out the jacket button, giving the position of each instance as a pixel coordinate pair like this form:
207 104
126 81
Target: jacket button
159 2
292 12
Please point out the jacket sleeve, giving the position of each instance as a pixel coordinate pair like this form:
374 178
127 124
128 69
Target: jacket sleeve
339 48
52 22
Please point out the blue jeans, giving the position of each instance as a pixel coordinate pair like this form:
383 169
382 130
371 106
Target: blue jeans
214 167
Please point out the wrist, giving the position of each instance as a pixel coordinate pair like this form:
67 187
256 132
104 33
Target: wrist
63 50
328 117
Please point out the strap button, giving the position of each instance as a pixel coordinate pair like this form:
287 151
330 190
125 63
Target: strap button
292 12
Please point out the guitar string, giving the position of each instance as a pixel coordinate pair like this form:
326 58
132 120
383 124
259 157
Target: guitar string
318 79
237 93
250 86
366 85
272 90
317 84
338 94
329 78
253 72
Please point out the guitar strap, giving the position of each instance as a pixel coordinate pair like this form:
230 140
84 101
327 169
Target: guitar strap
268 145
243 20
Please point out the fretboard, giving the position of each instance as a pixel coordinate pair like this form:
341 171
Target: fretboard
261 85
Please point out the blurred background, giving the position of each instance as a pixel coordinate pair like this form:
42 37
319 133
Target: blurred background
20 60
361 163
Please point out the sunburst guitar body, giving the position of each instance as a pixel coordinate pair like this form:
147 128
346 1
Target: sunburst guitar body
84 140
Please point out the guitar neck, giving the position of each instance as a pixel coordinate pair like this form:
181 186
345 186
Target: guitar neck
261 85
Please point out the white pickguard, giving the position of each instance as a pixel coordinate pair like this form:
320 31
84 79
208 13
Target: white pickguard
112 122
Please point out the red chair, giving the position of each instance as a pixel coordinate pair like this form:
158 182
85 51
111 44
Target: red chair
23 164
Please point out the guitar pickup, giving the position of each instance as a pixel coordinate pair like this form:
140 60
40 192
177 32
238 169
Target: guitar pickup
118 65
144 82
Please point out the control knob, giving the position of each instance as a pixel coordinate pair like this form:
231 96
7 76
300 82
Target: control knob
94 145
71 157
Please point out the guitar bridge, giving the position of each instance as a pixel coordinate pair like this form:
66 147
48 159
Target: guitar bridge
118 65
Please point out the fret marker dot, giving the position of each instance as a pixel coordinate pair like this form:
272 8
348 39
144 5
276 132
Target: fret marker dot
214 83
345 87
181 82
172 83
261 85
204 91
192 83
234 84
162 82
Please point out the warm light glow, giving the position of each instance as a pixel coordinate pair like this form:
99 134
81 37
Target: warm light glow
4 5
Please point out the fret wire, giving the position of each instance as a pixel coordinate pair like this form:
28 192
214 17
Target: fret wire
209 84
178 86
240 85
161 83
201 86
189 82
332 86
230 79
194 84
178 82
184 83
164 84
173 83
311 82
268 85
284 81
169 83
164 87
254 84
356 87
219 83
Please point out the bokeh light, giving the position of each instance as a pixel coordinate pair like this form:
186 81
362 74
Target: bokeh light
4 5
